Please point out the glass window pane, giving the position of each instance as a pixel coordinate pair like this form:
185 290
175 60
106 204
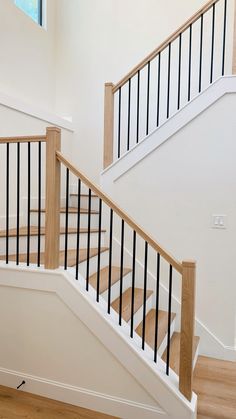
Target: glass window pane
31 8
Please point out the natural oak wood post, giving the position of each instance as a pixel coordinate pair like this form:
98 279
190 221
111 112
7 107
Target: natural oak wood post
108 124
234 42
187 328
52 205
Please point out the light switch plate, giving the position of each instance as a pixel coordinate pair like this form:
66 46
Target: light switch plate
219 221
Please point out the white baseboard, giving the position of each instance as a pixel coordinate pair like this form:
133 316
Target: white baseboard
81 397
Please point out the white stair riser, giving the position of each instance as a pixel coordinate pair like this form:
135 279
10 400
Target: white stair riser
138 316
115 289
84 202
93 263
72 220
72 242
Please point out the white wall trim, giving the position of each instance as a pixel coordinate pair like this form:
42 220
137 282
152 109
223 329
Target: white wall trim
81 397
35 111
163 389
156 138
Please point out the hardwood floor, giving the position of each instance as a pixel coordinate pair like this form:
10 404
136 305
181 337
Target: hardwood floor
215 385
17 404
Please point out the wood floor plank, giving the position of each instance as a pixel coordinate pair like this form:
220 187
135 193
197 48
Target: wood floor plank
104 276
18 404
126 302
150 325
71 256
214 382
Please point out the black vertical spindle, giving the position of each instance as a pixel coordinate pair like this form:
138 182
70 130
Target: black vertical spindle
190 62
78 230
121 270
18 204
212 43
110 262
157 308
133 286
224 38
138 100
168 81
66 218
148 96
158 88
129 100
7 204
144 295
88 241
119 123
200 58
28 205
169 323
99 248
39 201
179 69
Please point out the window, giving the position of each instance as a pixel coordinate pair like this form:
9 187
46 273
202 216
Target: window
32 8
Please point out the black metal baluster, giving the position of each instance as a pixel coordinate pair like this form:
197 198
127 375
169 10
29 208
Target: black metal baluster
169 323
133 286
157 307
119 123
99 248
148 96
168 81
18 204
144 295
138 100
224 37
121 271
88 242
179 70
129 100
212 43
110 262
158 88
39 201
7 203
78 230
66 218
28 209
200 58
190 62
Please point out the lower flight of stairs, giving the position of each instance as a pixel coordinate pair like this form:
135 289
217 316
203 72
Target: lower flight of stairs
209 400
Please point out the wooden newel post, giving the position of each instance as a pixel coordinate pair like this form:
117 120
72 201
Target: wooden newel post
52 205
187 328
108 124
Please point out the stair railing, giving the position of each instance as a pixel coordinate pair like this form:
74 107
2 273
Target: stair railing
184 64
185 269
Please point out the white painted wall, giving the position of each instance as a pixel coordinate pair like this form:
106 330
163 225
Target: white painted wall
175 191
100 41
27 55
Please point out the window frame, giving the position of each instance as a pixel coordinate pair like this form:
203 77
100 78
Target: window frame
40 16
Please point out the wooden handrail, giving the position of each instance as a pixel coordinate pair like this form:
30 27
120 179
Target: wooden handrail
28 139
164 44
139 230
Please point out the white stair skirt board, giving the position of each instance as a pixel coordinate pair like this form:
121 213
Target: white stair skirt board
167 400
222 86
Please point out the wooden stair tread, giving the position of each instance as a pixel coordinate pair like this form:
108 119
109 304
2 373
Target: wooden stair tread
84 195
23 231
150 325
71 261
214 381
126 302
104 276
175 351
71 210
